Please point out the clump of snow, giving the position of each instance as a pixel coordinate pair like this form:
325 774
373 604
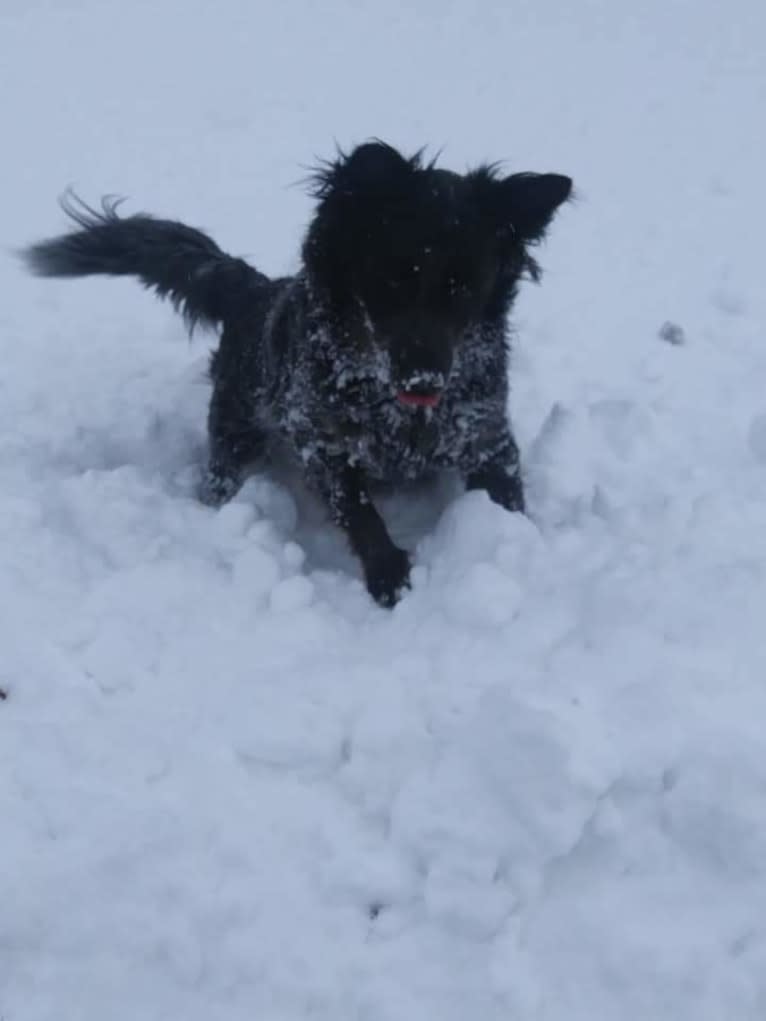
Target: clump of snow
672 333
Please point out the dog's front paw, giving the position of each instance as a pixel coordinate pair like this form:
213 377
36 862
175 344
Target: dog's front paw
387 575
217 487
508 492
502 487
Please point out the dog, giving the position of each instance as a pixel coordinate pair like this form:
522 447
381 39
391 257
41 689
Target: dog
384 359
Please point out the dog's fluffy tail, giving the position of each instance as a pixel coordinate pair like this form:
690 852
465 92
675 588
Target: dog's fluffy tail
178 262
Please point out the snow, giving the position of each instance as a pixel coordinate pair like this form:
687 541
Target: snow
232 787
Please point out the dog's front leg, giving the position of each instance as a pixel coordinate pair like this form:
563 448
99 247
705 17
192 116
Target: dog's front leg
236 441
500 476
386 567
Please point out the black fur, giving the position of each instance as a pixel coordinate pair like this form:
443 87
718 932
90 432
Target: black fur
385 358
178 262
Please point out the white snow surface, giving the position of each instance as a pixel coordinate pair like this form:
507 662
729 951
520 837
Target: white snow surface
230 786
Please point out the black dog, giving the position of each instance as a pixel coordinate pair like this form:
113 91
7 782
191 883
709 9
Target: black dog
386 357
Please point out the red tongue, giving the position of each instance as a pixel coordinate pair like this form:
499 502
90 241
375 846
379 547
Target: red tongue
418 400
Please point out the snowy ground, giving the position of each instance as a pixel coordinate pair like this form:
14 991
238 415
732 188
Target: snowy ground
230 786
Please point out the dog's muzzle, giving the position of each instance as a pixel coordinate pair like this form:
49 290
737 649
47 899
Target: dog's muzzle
421 390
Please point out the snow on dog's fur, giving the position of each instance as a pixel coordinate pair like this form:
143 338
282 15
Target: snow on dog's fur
384 359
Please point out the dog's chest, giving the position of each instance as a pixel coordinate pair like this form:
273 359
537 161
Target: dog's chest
337 406
392 443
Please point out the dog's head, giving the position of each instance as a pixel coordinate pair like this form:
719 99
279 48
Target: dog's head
411 258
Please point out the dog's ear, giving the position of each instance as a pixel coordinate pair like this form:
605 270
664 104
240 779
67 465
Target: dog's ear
371 169
530 200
